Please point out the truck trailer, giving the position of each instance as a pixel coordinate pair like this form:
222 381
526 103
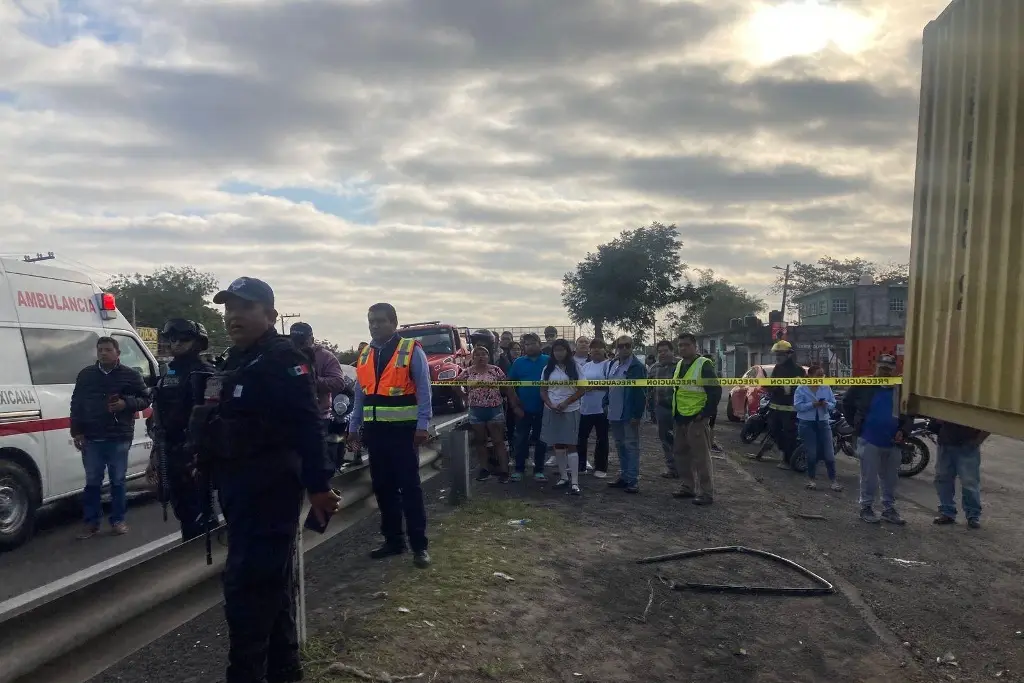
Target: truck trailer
964 358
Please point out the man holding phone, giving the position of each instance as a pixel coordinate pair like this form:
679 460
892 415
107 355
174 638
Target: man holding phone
106 398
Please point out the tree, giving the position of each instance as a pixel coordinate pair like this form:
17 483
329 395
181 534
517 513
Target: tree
720 302
171 292
628 280
831 272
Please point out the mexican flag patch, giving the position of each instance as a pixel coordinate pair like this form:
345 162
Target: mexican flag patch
298 370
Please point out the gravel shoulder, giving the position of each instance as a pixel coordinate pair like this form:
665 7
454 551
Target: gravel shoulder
575 610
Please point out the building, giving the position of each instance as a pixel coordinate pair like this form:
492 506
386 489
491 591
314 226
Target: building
865 310
842 328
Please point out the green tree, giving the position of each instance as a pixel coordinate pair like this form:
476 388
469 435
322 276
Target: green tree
832 272
720 302
171 292
628 280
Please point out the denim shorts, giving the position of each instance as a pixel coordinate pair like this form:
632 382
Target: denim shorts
479 415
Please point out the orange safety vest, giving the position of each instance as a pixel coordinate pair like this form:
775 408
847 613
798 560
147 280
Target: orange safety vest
391 397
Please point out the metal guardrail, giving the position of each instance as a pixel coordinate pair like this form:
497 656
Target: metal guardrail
76 627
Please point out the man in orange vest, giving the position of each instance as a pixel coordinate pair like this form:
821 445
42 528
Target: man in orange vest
392 410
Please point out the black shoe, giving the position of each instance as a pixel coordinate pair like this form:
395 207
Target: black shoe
632 488
683 494
973 523
703 500
386 550
421 558
484 475
943 520
618 484
289 676
561 484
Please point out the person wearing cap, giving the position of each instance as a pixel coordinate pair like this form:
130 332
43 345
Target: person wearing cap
327 375
783 414
550 335
874 413
391 414
181 388
261 437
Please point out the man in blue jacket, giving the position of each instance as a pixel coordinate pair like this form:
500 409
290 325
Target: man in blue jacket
625 410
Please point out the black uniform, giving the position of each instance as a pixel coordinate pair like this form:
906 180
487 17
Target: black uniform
265 441
177 392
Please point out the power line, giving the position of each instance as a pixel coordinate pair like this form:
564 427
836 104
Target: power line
287 316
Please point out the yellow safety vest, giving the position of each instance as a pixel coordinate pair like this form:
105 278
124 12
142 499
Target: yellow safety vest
689 399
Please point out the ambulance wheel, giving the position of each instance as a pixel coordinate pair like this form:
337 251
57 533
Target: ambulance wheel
19 500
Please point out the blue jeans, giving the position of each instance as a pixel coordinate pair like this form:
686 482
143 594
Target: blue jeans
526 426
817 439
876 464
963 462
627 443
99 458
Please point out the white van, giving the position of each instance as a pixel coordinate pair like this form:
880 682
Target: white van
50 320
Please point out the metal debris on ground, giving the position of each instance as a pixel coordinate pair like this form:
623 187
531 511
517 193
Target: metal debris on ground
503 575
948 659
823 587
404 610
805 515
379 595
382 677
518 522
907 563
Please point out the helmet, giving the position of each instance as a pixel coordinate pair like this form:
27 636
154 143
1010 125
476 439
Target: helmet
782 346
181 327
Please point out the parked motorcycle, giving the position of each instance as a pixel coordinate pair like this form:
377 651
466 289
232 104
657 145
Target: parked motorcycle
756 424
337 430
915 453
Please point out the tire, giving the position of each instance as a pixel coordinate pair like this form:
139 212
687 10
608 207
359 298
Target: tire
799 460
732 416
19 500
847 447
916 456
751 430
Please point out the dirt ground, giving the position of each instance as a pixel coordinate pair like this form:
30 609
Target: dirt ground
575 610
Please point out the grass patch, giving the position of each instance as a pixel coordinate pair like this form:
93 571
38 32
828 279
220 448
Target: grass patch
449 602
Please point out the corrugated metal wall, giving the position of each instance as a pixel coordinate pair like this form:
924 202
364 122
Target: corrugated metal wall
965 337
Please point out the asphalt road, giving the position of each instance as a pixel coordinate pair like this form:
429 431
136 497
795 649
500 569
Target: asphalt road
55 552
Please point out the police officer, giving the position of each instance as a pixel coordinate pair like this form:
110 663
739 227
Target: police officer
392 406
261 435
180 389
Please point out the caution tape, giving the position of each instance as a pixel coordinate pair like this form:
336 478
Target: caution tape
721 382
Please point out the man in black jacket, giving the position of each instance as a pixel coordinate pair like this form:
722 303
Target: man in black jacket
106 398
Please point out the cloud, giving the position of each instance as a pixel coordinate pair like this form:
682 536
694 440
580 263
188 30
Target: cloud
455 157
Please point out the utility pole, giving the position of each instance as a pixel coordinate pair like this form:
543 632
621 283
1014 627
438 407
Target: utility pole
785 288
287 316
134 324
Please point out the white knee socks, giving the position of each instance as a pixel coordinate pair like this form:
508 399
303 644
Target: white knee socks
574 468
562 463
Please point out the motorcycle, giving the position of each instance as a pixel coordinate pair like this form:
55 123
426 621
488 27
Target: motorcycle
915 454
337 430
756 424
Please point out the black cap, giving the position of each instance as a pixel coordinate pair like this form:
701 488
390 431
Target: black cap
248 288
300 330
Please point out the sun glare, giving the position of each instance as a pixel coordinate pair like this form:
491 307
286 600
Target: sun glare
801 28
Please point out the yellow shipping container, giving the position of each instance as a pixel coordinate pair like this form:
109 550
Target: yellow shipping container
965 334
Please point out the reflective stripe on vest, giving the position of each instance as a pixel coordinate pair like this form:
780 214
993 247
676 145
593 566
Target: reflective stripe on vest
689 399
392 398
782 407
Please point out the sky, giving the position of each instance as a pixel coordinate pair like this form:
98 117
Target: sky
453 157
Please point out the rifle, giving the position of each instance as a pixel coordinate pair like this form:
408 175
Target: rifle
204 469
163 487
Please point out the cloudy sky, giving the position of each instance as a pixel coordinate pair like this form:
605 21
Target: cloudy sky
455 157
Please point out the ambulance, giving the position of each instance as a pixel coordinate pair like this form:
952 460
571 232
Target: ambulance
50 320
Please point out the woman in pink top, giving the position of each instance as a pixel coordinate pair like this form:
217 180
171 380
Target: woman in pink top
486 412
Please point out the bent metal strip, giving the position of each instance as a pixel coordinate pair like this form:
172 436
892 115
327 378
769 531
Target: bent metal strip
724 382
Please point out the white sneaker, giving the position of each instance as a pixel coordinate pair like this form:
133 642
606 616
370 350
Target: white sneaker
590 468
550 462
600 475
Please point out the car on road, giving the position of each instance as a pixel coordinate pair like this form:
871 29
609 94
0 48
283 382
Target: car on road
448 352
744 399
50 320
